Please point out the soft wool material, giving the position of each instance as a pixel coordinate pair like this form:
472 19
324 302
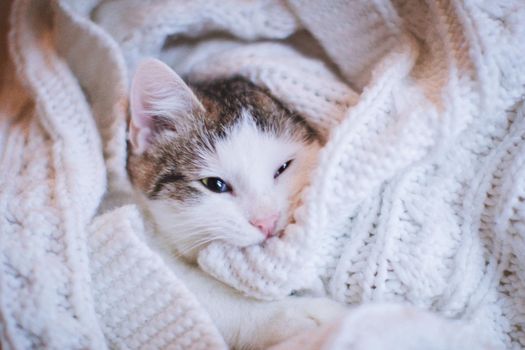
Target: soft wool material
418 198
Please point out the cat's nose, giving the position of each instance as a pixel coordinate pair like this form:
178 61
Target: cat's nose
266 225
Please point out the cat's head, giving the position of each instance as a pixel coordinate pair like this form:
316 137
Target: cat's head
225 161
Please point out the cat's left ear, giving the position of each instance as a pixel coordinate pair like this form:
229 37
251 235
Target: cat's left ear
157 91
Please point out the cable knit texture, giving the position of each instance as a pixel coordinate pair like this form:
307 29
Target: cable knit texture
418 198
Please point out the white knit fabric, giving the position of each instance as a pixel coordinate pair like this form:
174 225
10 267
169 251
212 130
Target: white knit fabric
419 196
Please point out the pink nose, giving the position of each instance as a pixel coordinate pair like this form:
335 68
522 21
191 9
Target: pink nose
267 224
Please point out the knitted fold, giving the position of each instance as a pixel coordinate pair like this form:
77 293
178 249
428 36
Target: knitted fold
418 197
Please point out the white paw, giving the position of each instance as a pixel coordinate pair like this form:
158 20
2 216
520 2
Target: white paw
297 314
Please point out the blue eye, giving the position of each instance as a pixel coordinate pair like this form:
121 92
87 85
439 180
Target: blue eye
216 184
282 168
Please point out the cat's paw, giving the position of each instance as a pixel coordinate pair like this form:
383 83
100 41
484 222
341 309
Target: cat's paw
297 314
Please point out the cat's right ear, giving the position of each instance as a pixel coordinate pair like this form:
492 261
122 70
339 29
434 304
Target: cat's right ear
157 91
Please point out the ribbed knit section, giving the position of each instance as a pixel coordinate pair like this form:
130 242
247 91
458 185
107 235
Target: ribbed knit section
139 301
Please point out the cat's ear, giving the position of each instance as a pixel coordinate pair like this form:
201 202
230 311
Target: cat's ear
157 92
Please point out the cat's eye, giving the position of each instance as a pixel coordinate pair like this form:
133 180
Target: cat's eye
216 184
282 168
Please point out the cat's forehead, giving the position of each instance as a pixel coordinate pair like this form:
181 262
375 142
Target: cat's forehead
247 150
228 102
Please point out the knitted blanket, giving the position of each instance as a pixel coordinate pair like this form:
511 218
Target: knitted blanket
418 198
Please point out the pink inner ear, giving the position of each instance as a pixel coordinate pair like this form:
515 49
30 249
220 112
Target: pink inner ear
141 124
157 90
139 137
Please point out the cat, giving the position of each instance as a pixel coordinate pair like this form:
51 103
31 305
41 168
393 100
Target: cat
222 160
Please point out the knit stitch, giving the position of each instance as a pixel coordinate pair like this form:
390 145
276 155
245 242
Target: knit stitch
418 197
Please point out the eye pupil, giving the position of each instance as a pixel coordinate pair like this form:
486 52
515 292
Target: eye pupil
216 184
282 168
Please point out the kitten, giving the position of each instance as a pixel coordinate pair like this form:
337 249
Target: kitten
225 161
